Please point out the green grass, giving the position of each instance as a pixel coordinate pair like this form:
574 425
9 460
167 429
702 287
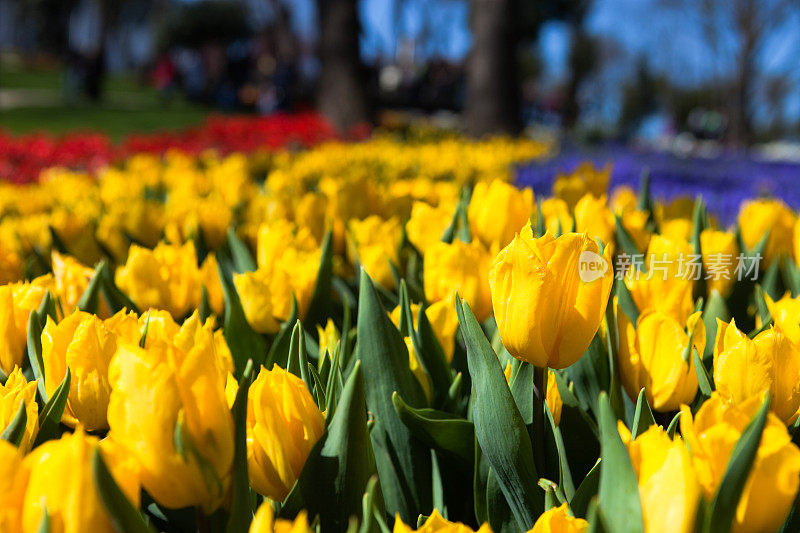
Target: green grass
115 122
127 106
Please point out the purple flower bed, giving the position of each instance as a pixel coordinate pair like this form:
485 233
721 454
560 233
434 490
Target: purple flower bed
724 182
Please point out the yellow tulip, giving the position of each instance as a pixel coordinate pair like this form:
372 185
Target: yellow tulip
668 486
427 224
623 199
461 267
71 280
375 242
254 289
82 343
166 277
557 216
773 481
745 367
593 216
546 313
309 214
17 390
161 392
651 357
667 284
73 502
497 211
276 238
677 228
329 338
559 520
437 524
209 278
584 179
719 251
756 217
17 300
784 314
10 264
264 521
635 224
553 397
283 425
12 481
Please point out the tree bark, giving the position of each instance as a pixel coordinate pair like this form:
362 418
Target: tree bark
341 95
493 95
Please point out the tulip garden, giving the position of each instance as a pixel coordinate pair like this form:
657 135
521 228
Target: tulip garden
257 326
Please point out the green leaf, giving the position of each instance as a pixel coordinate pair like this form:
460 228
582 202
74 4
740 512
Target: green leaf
340 465
319 308
591 374
35 352
499 426
242 258
90 299
243 342
564 473
626 302
47 308
432 358
15 431
586 491
715 308
723 506
673 425
50 415
297 363
204 309
240 513
123 515
44 522
439 430
643 418
403 463
704 380
372 511
625 241
619 488
645 200
771 283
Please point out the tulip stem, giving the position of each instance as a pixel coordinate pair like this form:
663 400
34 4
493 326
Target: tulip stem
539 401
203 524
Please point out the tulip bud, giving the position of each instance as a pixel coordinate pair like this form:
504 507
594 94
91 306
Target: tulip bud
82 343
264 521
719 251
549 296
773 480
375 242
17 300
437 524
745 367
497 211
254 289
461 267
73 502
168 410
283 424
15 391
668 486
592 216
427 224
584 179
756 217
329 337
559 520
651 356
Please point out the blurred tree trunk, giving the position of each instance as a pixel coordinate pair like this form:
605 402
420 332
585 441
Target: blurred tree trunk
582 61
493 95
748 26
342 95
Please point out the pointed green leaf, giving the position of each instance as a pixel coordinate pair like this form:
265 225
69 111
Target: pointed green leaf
35 352
115 298
240 512
242 258
723 506
624 239
297 362
437 429
499 426
340 465
279 349
50 415
704 380
643 418
15 430
319 308
243 342
619 488
124 517
90 299
586 492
